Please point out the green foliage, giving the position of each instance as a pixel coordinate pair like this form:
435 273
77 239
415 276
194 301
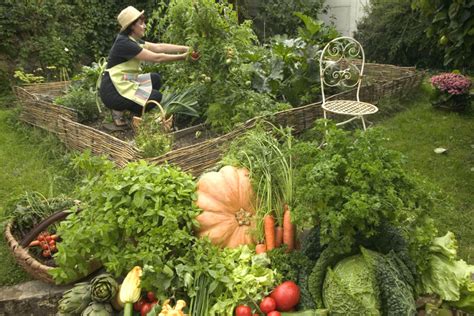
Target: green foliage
265 152
233 276
446 276
179 103
84 101
288 71
353 185
451 25
276 16
407 44
351 287
396 296
151 138
289 265
31 208
138 215
294 266
311 244
40 34
328 258
222 75
27 78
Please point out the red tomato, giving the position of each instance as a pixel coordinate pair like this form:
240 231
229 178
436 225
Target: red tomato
46 253
286 296
243 310
146 307
151 296
137 306
47 238
267 305
274 313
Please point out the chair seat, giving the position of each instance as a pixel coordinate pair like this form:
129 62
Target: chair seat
349 107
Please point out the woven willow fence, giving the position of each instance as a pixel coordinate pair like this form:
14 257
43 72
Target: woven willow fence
195 148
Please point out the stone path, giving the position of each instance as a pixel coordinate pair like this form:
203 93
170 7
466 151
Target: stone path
33 298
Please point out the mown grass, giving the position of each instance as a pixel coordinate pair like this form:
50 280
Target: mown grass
30 160
416 132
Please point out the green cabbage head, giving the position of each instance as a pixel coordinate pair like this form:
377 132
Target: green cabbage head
351 289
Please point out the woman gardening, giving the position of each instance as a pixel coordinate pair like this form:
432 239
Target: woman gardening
122 86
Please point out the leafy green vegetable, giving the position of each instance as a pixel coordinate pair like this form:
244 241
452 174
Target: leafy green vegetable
311 244
351 185
351 288
390 240
446 245
83 101
451 279
288 264
139 215
231 277
306 300
32 207
327 259
396 295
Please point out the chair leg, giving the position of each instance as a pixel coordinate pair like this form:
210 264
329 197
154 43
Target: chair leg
325 121
363 122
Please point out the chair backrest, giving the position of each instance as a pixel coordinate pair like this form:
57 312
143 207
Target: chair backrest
341 64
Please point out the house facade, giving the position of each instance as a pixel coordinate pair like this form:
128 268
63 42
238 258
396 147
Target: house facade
345 14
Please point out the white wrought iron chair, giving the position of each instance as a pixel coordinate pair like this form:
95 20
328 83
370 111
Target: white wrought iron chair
342 65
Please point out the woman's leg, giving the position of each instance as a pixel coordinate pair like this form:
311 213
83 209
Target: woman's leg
155 80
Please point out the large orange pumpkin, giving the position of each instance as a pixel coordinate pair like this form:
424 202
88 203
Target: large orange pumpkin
226 198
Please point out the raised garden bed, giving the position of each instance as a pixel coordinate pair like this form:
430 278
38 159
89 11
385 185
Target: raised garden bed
195 148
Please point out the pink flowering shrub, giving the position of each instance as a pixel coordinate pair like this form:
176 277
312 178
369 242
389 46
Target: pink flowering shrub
451 91
451 83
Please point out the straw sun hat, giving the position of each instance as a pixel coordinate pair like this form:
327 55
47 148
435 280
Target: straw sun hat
127 16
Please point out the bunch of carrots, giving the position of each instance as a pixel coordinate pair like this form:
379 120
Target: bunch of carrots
47 242
275 236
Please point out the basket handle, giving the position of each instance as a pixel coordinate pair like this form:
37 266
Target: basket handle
163 113
41 226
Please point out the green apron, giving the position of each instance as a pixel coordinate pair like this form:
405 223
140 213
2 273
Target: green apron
129 82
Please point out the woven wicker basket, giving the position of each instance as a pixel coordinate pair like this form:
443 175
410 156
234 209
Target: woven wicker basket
29 263
35 268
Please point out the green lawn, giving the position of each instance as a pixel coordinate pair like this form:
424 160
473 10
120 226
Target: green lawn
30 160
416 132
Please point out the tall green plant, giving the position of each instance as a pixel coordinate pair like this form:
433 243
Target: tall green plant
222 74
392 33
276 16
451 26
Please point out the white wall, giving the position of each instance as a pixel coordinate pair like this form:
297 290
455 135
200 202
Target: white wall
345 14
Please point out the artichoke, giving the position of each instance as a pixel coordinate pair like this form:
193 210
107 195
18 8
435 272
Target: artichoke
75 300
98 309
103 288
